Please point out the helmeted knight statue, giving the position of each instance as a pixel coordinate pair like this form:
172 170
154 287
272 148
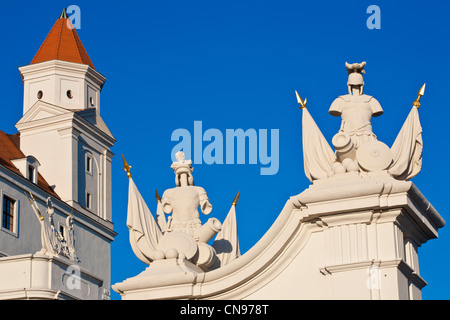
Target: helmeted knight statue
184 200
357 148
356 108
182 236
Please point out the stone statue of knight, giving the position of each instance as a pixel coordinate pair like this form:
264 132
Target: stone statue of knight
183 201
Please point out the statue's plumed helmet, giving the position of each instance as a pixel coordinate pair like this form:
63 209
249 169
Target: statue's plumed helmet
355 73
355 79
182 166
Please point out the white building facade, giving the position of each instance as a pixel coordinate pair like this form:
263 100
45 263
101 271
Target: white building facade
63 152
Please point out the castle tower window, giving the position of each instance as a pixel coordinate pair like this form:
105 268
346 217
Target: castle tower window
88 200
69 94
88 164
40 94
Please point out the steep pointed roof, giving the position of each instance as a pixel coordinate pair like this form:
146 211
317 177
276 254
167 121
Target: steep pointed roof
62 43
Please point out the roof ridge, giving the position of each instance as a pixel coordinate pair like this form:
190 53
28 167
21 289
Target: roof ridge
58 45
80 47
74 38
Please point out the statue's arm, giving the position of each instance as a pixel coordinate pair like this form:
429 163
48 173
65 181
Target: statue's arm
166 202
205 206
376 107
336 107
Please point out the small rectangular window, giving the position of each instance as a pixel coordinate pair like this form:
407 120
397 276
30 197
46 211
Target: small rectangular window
8 213
88 164
62 231
88 200
31 173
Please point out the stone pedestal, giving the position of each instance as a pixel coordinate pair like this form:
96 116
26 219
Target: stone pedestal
163 279
44 277
372 227
352 236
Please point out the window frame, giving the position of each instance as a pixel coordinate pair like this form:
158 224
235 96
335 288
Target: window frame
15 213
88 200
31 172
89 163
62 230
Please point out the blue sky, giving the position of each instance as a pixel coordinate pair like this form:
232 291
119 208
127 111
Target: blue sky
235 64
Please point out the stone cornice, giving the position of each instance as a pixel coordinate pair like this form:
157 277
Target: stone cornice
63 68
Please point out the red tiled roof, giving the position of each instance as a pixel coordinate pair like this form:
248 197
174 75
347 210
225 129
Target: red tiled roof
9 150
62 43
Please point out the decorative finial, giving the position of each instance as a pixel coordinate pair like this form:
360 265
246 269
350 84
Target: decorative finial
63 14
180 156
420 94
158 198
236 199
300 100
126 167
182 165
355 67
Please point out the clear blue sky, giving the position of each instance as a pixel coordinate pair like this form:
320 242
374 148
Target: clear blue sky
235 64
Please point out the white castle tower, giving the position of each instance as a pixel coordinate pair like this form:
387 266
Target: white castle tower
55 179
61 124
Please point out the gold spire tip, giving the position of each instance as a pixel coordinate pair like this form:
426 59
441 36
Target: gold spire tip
422 90
63 14
420 94
126 167
300 100
236 199
158 198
